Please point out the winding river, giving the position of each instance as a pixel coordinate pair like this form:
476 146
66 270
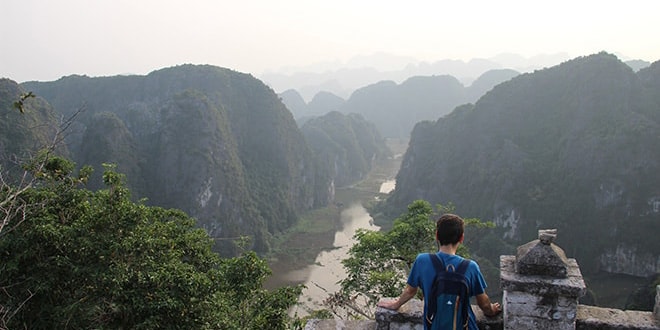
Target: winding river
321 278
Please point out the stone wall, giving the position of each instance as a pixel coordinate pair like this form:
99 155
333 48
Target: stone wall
409 317
541 290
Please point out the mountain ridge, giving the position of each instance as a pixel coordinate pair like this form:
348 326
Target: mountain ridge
566 147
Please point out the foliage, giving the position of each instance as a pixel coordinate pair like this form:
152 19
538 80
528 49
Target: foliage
643 298
345 146
570 147
20 104
215 143
379 262
84 259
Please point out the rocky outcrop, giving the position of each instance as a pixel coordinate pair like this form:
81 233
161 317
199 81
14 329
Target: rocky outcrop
571 147
627 259
215 143
345 147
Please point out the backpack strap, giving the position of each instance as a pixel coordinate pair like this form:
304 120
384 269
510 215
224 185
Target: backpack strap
463 266
438 264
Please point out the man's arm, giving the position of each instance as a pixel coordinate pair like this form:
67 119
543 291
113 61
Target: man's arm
407 294
486 306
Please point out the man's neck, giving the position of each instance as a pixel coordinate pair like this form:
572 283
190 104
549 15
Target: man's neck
448 249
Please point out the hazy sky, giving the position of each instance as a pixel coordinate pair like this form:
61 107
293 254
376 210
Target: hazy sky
47 39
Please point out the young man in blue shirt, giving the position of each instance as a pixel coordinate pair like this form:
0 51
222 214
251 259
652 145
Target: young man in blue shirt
449 234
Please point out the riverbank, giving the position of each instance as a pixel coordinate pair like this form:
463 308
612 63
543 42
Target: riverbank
299 246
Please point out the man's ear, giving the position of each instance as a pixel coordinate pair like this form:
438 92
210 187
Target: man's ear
462 238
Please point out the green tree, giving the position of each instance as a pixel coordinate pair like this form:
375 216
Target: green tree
83 259
379 262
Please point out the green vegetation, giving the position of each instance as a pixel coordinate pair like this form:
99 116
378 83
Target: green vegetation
345 147
379 262
572 147
82 259
76 258
299 245
215 143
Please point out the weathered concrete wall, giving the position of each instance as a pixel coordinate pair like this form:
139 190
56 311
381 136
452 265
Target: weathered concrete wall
598 318
541 286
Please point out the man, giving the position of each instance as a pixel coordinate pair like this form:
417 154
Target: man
449 234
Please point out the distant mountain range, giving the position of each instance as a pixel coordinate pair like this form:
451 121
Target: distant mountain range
342 79
396 108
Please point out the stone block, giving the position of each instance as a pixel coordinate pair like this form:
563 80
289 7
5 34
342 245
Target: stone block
543 307
516 322
406 326
411 313
542 257
571 286
600 318
332 324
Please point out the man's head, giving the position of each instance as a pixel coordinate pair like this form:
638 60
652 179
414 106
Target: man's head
449 229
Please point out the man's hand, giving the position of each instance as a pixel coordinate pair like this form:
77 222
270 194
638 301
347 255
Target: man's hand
489 309
389 304
407 294
495 308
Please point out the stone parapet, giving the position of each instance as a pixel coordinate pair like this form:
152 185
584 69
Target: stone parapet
541 286
588 318
316 324
408 316
541 290
573 285
599 318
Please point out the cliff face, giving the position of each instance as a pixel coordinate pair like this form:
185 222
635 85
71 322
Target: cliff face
572 147
345 146
631 260
215 143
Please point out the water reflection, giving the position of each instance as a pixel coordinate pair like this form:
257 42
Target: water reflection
387 186
323 276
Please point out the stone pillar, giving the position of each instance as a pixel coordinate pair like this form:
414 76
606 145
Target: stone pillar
541 286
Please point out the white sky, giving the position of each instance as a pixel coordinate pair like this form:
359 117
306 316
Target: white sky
47 39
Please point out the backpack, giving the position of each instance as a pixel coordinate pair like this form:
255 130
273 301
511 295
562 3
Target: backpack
449 297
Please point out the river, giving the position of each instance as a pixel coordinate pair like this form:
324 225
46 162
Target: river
321 278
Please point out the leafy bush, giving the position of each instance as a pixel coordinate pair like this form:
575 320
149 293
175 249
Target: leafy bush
83 259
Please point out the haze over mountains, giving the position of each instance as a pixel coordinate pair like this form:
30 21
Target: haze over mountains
572 146
342 78
420 92
396 108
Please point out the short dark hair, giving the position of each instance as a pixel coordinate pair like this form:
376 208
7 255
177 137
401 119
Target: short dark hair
449 229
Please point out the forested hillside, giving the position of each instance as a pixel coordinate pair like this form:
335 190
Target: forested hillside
345 146
21 130
573 147
212 142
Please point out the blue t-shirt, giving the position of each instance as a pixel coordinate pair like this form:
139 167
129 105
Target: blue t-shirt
422 275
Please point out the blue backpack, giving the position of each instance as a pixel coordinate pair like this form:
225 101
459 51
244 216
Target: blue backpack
449 297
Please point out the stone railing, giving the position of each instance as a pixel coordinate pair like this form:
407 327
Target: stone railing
541 290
